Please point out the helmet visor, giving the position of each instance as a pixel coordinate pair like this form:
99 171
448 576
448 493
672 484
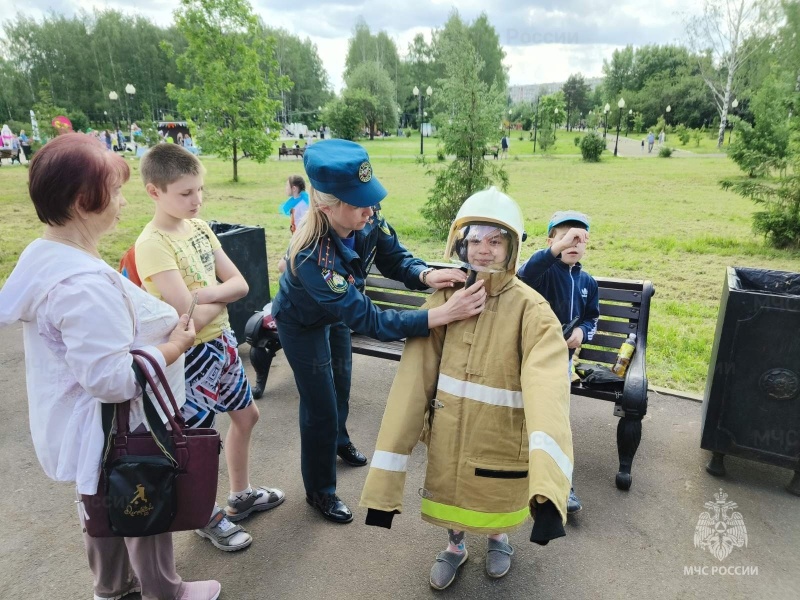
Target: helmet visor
483 247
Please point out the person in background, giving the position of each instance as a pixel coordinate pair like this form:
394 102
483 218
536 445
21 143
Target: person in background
6 136
80 321
25 143
557 274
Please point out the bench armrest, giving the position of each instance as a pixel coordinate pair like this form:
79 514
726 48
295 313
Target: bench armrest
634 394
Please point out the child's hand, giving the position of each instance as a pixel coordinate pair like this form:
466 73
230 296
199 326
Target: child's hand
572 238
576 339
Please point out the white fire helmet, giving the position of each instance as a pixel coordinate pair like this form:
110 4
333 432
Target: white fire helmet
486 233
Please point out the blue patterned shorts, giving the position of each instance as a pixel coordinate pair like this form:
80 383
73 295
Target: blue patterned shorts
215 381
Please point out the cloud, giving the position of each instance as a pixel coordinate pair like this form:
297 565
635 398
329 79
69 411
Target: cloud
545 40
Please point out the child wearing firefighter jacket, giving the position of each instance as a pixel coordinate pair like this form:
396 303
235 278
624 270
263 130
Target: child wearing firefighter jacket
488 397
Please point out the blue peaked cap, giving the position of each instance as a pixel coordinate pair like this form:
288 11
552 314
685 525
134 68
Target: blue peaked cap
342 168
562 216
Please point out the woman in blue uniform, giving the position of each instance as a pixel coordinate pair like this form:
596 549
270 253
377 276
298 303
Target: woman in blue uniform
321 298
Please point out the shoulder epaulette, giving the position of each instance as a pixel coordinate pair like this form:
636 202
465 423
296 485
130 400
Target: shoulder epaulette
326 255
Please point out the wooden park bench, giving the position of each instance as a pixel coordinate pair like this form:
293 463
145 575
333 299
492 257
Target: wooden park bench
492 151
290 152
624 309
9 153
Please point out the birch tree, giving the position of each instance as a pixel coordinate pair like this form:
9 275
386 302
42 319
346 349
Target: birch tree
720 32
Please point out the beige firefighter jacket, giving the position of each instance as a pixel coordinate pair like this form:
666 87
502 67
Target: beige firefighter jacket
489 396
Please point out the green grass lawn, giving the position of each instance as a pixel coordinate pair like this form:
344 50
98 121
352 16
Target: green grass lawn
664 220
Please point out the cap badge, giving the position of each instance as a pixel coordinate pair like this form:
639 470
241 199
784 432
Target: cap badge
365 172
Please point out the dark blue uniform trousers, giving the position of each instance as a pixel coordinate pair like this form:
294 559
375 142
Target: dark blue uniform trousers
322 361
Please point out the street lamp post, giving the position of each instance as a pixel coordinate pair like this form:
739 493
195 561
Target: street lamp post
666 119
535 124
734 104
131 91
114 97
510 110
428 93
628 122
606 108
555 124
621 105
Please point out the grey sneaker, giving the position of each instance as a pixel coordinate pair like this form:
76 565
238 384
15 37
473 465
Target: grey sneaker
573 503
444 570
259 499
223 534
498 557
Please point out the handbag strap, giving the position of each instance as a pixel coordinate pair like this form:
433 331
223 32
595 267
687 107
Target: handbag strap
157 428
118 414
164 383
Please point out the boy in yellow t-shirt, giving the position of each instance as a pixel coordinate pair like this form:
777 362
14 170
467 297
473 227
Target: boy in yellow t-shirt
179 257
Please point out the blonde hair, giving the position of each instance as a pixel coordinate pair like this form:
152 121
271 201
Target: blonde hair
315 224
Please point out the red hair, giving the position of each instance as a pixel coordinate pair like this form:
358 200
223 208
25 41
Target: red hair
73 169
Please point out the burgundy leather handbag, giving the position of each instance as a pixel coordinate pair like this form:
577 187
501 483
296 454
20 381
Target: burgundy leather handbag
154 481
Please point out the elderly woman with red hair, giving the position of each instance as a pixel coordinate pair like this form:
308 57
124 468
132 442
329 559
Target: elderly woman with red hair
81 320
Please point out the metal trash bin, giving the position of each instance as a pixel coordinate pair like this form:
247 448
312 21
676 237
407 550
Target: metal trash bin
246 246
751 407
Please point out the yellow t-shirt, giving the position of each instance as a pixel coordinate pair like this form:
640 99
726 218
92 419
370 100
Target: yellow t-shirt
192 255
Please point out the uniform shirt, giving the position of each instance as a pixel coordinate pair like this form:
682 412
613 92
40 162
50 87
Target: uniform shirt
328 285
192 255
571 291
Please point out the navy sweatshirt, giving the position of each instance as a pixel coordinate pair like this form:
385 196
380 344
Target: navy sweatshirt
571 291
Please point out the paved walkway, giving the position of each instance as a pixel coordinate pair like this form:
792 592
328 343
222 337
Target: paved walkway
624 544
632 148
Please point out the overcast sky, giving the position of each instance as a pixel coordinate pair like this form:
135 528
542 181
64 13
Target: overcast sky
544 40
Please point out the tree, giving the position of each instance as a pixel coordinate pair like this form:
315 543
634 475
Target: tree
486 42
344 118
364 47
86 56
231 79
768 152
299 60
576 92
45 111
474 110
419 69
721 32
765 146
376 94
551 116
618 74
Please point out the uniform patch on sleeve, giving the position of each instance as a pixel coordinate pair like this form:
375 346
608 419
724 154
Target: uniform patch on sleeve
335 281
382 225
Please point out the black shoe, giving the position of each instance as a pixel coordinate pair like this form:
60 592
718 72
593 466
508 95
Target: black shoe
331 507
350 454
258 388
